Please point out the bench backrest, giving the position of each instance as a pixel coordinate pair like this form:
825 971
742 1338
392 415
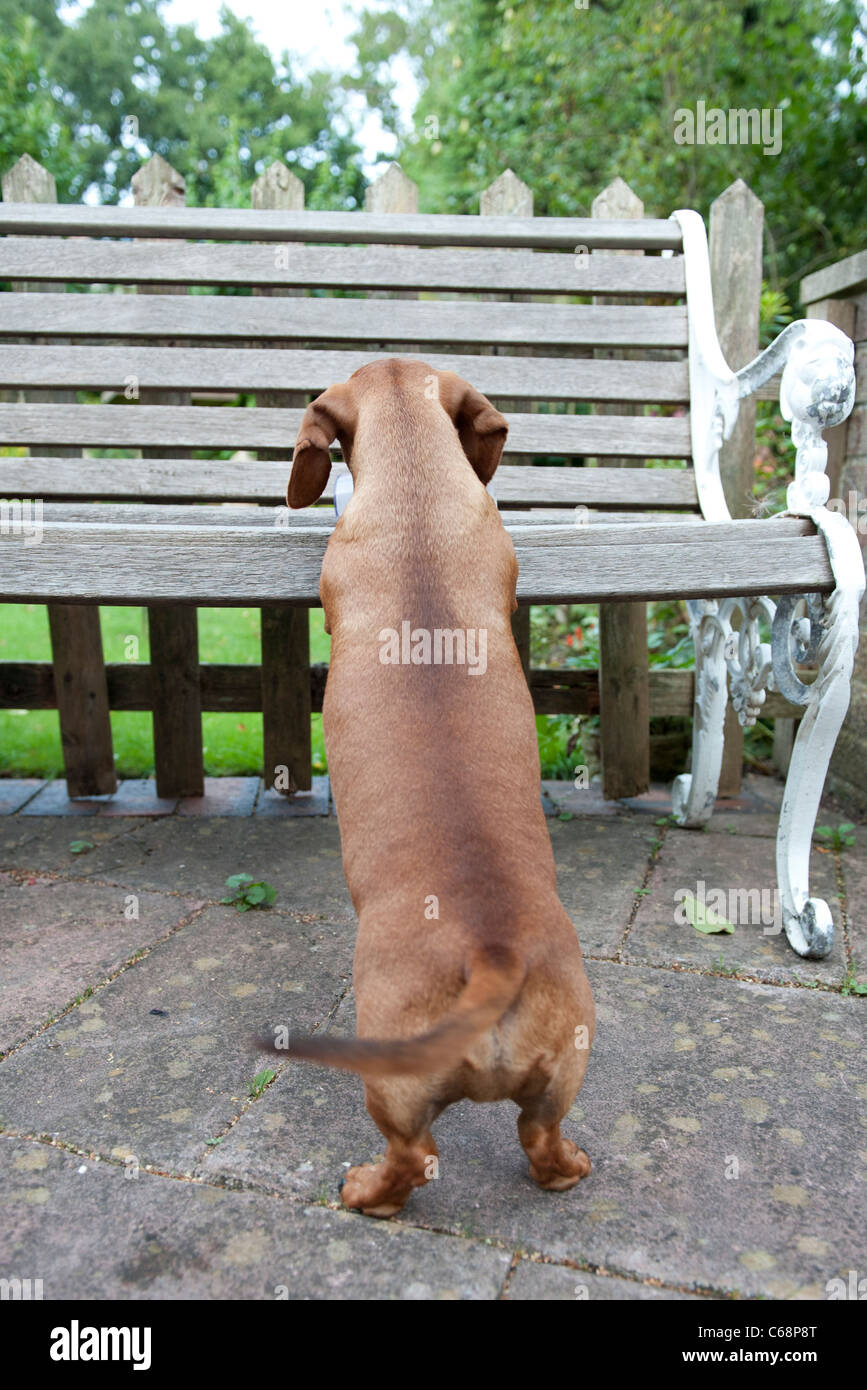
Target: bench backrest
582 379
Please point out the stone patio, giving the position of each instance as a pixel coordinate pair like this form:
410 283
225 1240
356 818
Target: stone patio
723 1107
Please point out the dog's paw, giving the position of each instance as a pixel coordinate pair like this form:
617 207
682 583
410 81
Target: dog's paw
564 1169
368 1189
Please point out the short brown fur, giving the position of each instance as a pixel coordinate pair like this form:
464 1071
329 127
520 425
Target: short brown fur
435 775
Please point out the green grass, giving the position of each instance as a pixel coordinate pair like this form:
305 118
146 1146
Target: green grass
30 739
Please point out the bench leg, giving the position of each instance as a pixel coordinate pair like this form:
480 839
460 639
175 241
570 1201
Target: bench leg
694 793
833 640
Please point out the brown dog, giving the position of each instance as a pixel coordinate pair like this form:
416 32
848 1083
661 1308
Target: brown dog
468 975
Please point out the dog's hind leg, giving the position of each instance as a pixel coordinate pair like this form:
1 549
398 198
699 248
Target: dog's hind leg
411 1158
555 1162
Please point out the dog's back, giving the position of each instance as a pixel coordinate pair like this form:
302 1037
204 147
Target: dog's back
468 973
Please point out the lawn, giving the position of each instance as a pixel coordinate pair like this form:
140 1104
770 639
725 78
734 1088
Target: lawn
30 739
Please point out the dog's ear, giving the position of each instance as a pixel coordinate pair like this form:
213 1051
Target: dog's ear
481 429
331 416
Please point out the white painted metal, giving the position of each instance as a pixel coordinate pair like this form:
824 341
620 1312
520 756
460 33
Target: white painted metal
713 385
817 391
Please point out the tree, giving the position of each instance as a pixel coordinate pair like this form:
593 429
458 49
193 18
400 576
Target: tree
131 84
570 97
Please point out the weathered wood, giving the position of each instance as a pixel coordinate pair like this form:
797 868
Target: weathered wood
254 369
82 699
842 280
174 633
462 270
392 193
509 196
286 699
231 480
420 229
216 565
285 632
164 428
228 689
320 517
623 671
736 223
76 637
337 320
177 701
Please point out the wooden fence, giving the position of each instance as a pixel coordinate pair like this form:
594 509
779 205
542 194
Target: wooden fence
285 687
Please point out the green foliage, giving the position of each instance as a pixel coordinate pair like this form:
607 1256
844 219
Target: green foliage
837 837
219 109
260 1081
570 98
32 118
851 984
246 893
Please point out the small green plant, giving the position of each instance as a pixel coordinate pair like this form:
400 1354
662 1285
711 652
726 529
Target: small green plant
81 846
851 984
720 967
211 1143
838 837
247 893
260 1081
641 892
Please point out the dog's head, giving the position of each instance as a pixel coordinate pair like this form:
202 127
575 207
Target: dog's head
334 415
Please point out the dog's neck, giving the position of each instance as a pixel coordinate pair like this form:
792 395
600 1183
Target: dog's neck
410 461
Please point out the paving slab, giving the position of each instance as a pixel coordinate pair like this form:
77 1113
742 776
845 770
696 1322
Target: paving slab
600 864
224 796
692 1079
41 844
137 796
15 792
53 800
744 873
302 860
159 1061
854 865
55 944
151 1237
315 802
565 798
539 1282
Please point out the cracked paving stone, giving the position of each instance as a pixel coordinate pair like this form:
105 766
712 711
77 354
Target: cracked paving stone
151 1237
746 874
692 1080
599 865
55 943
301 859
40 844
547 1283
115 1077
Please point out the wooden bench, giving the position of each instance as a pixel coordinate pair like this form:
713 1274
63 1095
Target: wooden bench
175 532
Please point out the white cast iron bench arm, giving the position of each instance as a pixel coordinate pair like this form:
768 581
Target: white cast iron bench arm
817 391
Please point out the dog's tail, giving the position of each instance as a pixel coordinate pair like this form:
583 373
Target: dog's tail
495 978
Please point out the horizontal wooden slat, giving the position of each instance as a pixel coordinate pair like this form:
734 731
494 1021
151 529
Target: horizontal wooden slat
238 689
270 369
171 480
342 320
224 427
54 259
156 514
240 566
415 229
